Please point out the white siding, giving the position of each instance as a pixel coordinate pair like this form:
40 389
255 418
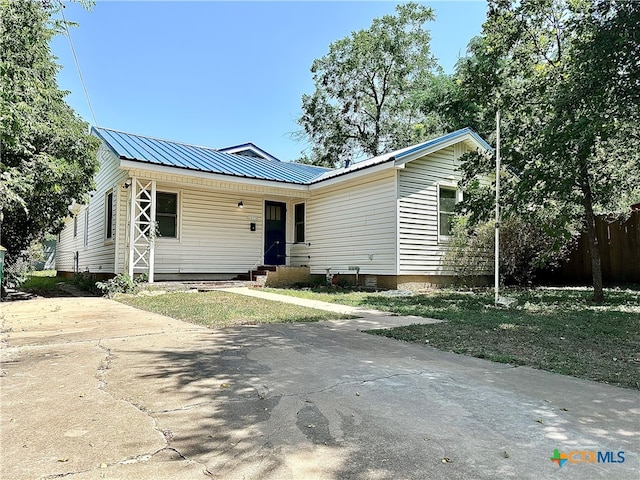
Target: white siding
420 248
98 255
214 234
353 224
121 233
299 253
66 247
385 222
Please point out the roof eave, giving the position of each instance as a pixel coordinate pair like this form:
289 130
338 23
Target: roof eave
133 164
351 174
464 135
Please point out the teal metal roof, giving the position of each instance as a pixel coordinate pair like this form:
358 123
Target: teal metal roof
149 150
424 147
249 150
143 149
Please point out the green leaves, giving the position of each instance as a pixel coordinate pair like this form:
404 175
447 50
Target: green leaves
48 156
566 78
368 90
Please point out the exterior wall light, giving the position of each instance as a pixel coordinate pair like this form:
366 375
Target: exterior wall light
240 204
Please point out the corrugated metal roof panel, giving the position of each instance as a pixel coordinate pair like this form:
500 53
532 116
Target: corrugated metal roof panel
139 148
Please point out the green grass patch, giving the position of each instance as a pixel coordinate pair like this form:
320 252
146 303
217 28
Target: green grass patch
558 330
223 309
340 297
43 282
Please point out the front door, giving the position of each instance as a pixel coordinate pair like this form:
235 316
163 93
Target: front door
275 214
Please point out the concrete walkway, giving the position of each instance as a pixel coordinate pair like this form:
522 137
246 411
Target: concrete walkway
94 389
365 319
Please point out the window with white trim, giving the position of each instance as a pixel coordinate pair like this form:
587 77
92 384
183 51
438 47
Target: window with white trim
447 199
108 216
299 222
167 214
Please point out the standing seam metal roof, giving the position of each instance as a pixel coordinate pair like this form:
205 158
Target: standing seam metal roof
398 154
174 154
138 148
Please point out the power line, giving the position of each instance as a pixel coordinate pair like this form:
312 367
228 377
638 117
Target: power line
75 58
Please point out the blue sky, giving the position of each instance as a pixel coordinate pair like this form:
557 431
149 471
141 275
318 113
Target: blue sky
222 73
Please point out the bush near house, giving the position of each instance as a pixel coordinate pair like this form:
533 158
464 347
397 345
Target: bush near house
525 248
121 283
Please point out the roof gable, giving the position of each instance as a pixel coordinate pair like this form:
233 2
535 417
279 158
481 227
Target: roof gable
249 150
404 155
465 135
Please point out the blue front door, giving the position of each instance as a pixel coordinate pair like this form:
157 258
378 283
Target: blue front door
275 215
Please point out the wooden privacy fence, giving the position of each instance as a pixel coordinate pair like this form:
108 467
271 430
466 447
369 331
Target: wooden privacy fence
619 251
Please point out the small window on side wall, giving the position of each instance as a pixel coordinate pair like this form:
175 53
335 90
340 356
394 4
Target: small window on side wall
447 199
299 223
85 240
108 219
167 214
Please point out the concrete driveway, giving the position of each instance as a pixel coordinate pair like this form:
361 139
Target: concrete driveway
94 389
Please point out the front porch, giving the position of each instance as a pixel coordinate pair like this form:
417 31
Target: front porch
178 231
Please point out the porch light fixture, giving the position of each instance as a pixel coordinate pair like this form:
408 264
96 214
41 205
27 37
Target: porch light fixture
240 204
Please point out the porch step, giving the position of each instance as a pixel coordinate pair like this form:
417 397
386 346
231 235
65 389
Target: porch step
260 271
267 268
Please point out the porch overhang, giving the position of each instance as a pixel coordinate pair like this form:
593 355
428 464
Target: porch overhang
164 169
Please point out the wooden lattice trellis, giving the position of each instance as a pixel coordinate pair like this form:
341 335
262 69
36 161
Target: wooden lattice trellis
142 226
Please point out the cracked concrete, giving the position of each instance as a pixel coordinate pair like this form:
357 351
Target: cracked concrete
94 389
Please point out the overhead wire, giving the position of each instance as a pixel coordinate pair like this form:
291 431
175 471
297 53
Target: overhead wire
75 58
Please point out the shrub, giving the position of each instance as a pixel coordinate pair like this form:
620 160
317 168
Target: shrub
525 247
85 281
121 283
343 281
16 268
470 251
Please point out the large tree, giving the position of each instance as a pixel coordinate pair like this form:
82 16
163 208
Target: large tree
48 157
565 76
367 90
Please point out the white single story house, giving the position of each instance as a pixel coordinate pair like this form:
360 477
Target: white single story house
178 211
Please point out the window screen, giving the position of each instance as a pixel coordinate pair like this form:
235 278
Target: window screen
299 223
447 203
167 214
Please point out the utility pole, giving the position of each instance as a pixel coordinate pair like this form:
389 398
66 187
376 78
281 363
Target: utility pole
497 231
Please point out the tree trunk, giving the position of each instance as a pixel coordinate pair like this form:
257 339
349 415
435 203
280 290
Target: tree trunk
592 237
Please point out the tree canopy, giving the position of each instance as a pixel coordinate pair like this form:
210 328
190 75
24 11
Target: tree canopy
565 76
48 157
368 88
